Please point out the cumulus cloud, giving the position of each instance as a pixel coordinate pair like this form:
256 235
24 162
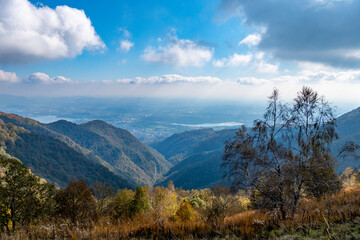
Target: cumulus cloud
262 66
179 52
251 40
234 60
170 78
309 30
125 45
255 61
307 77
8 77
29 33
323 76
43 78
252 81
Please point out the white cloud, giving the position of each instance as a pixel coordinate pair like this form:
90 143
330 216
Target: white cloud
251 40
323 76
255 61
29 33
170 78
314 67
8 77
262 66
340 87
125 45
307 77
125 33
265 67
252 81
39 77
179 52
234 61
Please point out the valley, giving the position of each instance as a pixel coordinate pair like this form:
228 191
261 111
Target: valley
191 159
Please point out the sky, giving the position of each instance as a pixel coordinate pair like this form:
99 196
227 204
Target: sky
226 49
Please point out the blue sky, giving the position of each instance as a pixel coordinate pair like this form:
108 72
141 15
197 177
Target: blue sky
146 22
202 48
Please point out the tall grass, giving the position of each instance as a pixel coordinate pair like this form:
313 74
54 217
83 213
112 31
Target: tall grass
250 224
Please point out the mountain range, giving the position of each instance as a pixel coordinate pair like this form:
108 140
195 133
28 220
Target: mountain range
96 143
197 154
53 160
99 152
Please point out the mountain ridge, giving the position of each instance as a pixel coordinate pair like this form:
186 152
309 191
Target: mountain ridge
114 148
53 160
117 147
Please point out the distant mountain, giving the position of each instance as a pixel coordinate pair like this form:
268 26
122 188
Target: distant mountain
52 159
198 154
181 145
199 170
114 148
178 146
348 129
125 155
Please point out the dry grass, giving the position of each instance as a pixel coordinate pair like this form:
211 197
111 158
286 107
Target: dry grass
339 208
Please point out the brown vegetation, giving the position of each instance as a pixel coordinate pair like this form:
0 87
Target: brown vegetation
178 218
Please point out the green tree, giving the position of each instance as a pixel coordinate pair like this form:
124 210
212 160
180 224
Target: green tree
23 198
76 203
140 202
120 205
286 153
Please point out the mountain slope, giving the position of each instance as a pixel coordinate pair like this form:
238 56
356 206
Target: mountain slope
199 161
126 155
40 128
176 147
198 153
52 159
348 129
199 170
112 147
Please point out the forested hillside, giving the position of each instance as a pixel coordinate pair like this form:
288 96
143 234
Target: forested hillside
126 155
99 143
53 160
180 145
194 157
198 155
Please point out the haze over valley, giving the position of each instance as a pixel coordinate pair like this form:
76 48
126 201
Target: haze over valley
148 119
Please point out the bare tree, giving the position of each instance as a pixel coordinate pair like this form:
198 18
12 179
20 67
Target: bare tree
286 154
